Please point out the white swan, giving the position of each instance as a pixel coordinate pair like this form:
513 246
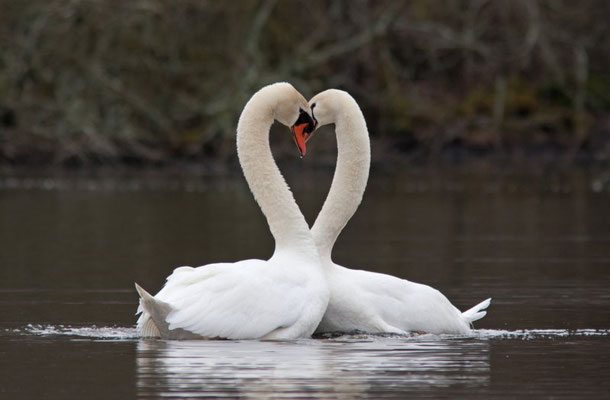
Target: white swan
282 298
362 300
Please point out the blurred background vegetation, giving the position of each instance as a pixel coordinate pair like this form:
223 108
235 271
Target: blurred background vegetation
150 81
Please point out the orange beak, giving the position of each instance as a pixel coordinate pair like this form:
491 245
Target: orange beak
302 130
300 137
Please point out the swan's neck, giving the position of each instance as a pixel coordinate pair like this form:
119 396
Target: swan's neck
287 224
349 181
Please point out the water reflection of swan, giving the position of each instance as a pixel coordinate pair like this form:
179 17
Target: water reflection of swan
363 300
320 368
281 298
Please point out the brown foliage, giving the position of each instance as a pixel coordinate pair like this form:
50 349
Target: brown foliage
152 79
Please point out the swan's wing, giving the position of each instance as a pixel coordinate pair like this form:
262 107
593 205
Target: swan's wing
393 302
244 300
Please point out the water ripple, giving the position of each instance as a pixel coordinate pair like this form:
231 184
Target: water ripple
93 331
331 367
114 332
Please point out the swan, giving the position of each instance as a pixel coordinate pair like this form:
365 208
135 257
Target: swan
282 298
362 300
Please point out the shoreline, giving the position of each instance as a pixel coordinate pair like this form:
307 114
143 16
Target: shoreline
480 175
384 153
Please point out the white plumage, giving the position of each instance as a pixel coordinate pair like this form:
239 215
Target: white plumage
281 298
363 300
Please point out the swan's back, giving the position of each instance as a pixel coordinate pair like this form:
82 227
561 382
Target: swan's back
373 302
249 299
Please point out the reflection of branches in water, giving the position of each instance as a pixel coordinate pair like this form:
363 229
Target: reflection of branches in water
151 79
346 368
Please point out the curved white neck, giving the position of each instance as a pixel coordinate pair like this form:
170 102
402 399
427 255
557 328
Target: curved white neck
349 181
287 224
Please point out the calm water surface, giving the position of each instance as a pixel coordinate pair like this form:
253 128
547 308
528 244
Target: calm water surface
538 243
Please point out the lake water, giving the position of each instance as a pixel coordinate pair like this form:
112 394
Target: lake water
72 244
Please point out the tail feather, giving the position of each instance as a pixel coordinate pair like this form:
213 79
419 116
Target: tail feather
152 321
476 313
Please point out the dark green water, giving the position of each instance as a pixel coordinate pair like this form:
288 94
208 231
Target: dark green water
539 244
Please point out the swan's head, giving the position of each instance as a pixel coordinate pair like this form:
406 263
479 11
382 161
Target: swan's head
326 105
291 109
